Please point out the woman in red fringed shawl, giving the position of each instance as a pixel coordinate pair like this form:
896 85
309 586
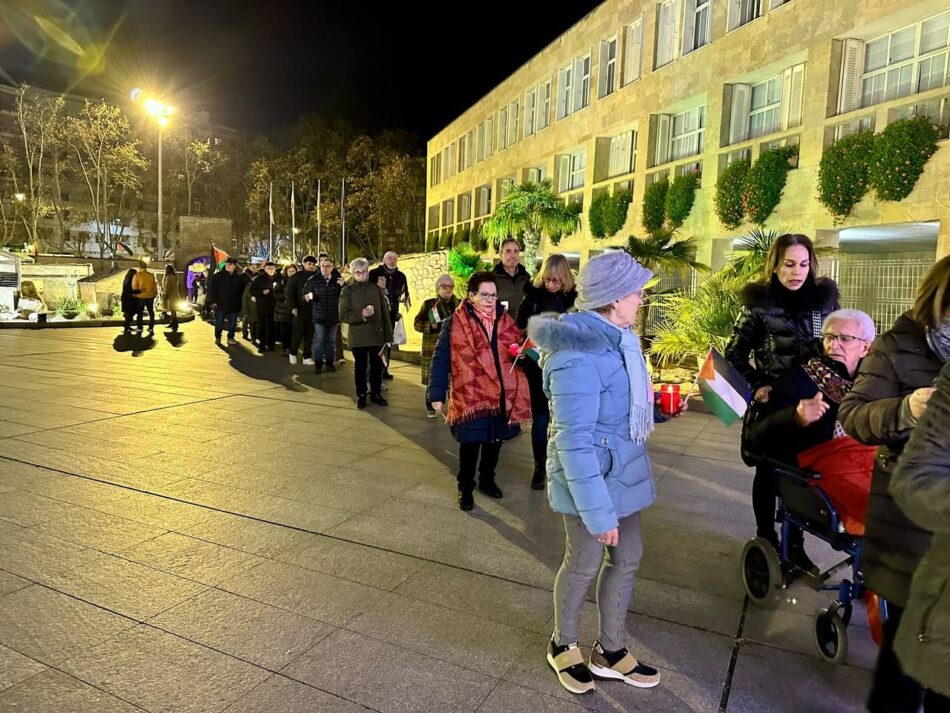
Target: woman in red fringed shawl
489 398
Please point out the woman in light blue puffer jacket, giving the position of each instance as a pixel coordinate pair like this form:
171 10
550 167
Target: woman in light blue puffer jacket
599 473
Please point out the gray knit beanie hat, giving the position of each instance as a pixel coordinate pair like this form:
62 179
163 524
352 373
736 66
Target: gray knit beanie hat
609 277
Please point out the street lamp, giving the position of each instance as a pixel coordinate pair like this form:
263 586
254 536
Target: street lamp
160 112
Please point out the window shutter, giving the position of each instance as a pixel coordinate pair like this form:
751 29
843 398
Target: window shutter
528 123
602 71
734 15
633 52
852 67
563 87
661 131
562 168
776 3
663 37
676 27
578 85
489 137
739 114
793 87
513 110
689 25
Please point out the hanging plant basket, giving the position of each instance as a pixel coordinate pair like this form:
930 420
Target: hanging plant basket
900 153
844 173
728 199
765 182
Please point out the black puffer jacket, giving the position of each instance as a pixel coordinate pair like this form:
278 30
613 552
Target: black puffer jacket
293 290
282 308
778 327
538 300
266 303
326 297
226 290
899 363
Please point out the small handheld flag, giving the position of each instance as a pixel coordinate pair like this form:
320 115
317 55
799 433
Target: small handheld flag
724 390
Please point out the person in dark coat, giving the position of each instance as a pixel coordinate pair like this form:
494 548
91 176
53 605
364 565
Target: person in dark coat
551 291
282 314
225 292
263 292
889 396
302 337
394 283
778 327
429 321
364 308
323 290
511 276
249 307
921 487
489 398
128 301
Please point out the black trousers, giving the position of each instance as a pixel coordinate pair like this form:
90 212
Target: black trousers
468 460
267 331
284 330
143 305
763 501
302 335
892 691
362 357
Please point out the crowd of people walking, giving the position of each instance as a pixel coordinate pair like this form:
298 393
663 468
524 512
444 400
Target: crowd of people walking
558 351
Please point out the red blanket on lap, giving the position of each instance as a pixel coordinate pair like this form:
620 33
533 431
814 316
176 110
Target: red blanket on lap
845 466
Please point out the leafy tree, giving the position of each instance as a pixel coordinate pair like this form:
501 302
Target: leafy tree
535 209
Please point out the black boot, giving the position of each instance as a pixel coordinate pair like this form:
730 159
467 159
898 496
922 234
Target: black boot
540 449
466 500
490 488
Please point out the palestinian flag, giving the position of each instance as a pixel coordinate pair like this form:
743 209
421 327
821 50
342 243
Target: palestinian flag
218 256
530 350
724 390
124 246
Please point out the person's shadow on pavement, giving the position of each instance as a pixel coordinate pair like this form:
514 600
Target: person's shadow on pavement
135 343
176 339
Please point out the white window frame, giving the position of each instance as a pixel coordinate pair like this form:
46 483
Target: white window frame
690 140
489 137
480 143
574 86
767 118
514 111
632 51
543 114
742 12
622 154
483 199
435 170
565 91
530 105
696 24
464 199
503 128
577 167
448 212
608 67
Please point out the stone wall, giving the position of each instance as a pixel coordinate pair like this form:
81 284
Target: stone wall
421 271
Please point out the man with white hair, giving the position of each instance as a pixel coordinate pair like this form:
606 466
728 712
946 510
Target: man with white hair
394 282
799 423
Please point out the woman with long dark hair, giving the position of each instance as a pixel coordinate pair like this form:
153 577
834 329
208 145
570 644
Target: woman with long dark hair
171 295
550 292
779 327
127 301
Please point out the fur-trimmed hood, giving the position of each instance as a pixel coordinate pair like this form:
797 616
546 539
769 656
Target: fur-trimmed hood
764 295
573 331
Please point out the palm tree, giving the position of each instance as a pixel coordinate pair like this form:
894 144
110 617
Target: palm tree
535 210
661 251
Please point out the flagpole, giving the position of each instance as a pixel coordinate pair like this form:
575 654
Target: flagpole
293 224
343 222
318 216
270 223
696 380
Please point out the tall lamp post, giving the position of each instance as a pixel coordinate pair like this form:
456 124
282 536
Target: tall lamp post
160 112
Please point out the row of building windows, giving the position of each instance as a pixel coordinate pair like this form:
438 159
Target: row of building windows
910 60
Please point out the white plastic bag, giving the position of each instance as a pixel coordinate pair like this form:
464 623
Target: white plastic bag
399 333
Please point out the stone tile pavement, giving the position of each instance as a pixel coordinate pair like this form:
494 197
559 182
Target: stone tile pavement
190 528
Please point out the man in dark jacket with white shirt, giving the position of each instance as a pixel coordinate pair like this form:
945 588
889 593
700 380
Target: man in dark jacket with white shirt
322 290
511 276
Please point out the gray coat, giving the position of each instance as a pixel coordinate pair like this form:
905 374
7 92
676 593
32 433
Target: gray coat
921 486
373 332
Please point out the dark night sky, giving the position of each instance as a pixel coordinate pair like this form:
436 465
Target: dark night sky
258 65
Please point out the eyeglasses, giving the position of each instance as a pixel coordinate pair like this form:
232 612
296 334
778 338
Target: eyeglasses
552 279
488 295
360 272
830 338
445 285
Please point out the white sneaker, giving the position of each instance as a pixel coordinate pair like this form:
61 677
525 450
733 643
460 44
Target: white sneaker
341 361
293 358
308 362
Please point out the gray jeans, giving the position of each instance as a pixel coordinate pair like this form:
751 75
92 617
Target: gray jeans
584 559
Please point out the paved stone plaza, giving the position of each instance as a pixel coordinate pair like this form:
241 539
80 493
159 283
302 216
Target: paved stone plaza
189 528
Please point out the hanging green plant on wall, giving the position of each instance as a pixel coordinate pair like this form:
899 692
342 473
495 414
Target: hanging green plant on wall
900 152
680 197
728 200
764 183
596 216
844 173
654 205
615 212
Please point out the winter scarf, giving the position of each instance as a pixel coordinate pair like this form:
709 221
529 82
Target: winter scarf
477 385
641 388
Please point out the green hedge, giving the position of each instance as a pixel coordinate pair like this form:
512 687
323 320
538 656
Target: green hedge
595 216
615 212
900 152
654 205
680 197
844 173
764 183
728 199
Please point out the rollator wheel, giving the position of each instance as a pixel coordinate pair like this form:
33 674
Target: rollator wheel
762 572
831 635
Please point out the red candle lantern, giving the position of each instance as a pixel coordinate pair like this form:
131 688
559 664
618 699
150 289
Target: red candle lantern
670 399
